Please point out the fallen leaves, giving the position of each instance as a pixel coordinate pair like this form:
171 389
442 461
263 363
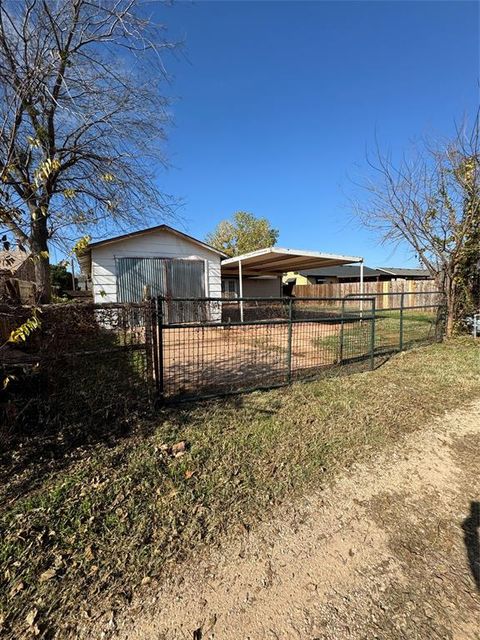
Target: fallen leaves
17 587
178 449
48 574
31 622
89 553
175 450
31 616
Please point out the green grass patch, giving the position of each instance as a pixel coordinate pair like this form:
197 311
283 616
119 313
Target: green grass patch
82 538
417 328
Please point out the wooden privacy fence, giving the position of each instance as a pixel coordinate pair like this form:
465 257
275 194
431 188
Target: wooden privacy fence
417 292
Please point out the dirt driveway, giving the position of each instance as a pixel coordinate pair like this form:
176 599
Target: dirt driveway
390 551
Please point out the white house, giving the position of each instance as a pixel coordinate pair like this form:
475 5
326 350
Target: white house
170 262
175 265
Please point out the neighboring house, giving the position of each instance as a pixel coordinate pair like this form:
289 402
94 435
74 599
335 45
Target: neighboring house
17 264
17 276
327 275
348 274
392 273
167 261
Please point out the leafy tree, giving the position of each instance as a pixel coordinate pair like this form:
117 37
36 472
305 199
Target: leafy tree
242 234
61 278
82 120
432 203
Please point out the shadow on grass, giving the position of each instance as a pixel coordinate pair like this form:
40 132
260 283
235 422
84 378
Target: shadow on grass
471 537
55 412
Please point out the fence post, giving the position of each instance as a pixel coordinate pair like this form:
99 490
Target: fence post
372 337
149 323
159 330
151 339
342 319
289 341
402 305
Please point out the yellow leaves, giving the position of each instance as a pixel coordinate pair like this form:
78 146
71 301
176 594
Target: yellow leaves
41 255
21 333
34 142
45 170
7 169
80 246
108 177
42 212
69 193
7 380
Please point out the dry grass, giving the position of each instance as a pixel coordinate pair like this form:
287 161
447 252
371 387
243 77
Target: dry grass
82 538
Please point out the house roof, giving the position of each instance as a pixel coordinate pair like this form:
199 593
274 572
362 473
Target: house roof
85 261
10 261
340 271
276 261
141 232
405 273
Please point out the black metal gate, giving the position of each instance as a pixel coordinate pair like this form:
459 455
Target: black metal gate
215 346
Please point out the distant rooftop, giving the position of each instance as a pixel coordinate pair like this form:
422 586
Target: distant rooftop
340 272
353 271
11 260
400 272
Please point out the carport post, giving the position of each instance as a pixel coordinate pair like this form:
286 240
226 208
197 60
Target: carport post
362 289
240 282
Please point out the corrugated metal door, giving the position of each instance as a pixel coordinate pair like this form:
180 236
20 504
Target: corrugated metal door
133 274
185 279
165 277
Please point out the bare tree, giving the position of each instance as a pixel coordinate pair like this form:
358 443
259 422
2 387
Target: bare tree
82 119
432 202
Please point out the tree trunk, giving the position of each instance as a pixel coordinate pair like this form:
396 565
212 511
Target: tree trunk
451 306
39 244
445 284
450 321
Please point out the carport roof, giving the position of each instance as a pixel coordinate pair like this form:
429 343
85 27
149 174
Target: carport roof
275 261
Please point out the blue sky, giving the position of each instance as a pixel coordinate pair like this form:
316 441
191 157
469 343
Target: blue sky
279 101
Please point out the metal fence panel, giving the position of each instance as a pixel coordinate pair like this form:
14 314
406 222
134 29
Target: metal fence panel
94 357
86 364
209 350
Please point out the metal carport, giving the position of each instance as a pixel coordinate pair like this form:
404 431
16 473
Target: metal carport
276 261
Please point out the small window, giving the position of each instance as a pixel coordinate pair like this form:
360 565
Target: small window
230 288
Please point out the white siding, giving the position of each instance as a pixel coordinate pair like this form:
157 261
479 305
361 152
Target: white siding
157 244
